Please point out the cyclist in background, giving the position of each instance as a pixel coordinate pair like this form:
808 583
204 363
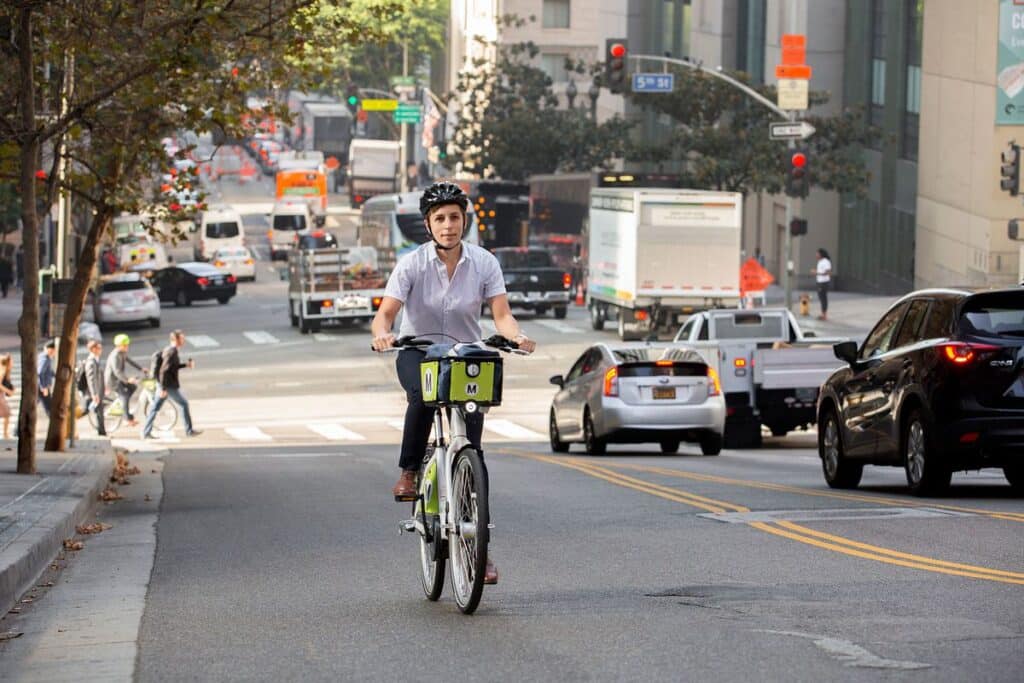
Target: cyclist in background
116 377
442 286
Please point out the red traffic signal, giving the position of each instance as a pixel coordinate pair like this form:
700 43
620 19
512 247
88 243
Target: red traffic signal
617 50
615 71
799 160
797 180
40 175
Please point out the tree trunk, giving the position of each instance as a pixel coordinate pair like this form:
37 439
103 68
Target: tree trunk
28 324
57 435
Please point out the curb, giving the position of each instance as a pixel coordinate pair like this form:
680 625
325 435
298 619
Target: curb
24 560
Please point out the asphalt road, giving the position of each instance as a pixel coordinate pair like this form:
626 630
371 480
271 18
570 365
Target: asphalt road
278 554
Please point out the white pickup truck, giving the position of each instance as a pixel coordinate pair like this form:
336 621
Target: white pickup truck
770 370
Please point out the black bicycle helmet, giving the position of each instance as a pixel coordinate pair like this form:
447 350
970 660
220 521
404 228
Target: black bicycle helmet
442 193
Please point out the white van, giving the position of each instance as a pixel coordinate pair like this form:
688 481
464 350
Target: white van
218 228
287 219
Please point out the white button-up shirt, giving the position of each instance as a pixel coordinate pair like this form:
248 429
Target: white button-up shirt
439 308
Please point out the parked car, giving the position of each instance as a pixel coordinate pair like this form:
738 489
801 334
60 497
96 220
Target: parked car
235 260
638 393
218 228
125 298
188 282
936 387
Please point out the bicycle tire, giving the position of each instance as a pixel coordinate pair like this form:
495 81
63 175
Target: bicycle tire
431 559
166 419
467 552
111 422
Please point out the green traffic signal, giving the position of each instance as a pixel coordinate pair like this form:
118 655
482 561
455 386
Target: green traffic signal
353 100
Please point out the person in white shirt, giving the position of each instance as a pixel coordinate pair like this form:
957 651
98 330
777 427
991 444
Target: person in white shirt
823 275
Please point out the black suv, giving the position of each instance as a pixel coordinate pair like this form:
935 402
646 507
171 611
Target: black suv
937 387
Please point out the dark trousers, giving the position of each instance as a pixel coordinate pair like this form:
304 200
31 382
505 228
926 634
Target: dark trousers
823 296
4 284
98 408
45 400
419 418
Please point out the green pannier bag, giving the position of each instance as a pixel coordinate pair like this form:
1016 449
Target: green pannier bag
472 375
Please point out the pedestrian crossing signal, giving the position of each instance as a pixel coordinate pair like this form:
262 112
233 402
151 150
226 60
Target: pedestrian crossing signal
1010 169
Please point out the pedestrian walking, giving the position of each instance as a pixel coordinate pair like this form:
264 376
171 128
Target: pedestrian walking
47 373
95 381
6 275
118 379
170 386
823 275
6 390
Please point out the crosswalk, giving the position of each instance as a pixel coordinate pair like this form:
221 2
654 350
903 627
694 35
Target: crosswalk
14 402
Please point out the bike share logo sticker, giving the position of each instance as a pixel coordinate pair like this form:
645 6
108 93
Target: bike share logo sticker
472 388
428 381
472 369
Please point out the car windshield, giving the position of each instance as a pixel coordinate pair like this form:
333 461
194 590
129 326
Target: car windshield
994 315
289 221
222 230
521 259
123 286
749 326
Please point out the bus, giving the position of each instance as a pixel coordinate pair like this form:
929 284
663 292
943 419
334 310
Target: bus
393 223
306 184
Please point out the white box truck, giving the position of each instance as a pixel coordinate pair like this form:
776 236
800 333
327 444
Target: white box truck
372 169
657 255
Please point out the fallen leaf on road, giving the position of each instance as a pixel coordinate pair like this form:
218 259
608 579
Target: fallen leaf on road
45 585
10 635
94 528
109 494
27 600
72 544
14 610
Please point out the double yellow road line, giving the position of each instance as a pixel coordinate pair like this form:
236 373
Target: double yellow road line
789 530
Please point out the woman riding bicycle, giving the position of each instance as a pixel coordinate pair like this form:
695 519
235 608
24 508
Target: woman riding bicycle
443 285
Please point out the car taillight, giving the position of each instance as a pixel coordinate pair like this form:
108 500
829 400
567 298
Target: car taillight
611 382
202 282
640 315
146 298
566 280
962 353
377 301
232 278
714 385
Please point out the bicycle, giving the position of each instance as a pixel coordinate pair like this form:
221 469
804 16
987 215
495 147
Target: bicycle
451 512
114 412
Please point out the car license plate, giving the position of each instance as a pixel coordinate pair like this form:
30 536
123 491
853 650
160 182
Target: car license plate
807 395
664 392
218 281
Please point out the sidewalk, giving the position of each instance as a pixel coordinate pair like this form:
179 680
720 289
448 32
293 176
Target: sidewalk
850 314
10 311
37 512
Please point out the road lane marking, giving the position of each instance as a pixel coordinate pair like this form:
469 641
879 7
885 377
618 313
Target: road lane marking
261 337
201 341
851 654
248 434
787 530
335 432
511 430
297 455
557 326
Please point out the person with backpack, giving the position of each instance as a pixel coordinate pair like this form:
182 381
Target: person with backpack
170 387
94 383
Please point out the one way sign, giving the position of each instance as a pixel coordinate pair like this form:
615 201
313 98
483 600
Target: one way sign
786 130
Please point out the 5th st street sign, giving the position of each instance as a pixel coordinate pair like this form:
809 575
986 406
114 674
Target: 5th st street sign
785 130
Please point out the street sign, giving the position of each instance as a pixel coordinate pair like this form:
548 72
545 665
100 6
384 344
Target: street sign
402 81
798 130
408 113
793 93
795 71
656 82
380 105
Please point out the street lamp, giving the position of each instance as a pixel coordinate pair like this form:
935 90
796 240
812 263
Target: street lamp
570 92
594 92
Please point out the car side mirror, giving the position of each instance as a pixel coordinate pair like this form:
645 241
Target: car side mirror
557 380
846 351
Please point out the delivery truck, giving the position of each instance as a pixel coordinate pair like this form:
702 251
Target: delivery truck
372 169
656 256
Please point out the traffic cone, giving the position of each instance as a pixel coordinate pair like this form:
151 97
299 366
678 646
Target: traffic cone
579 294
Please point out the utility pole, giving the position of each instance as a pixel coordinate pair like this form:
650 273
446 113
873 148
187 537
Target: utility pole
403 155
63 196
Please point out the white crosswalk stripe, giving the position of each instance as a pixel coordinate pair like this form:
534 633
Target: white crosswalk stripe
14 402
248 434
558 326
511 430
201 341
260 337
335 432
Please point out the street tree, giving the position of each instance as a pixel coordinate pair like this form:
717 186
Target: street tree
142 71
511 124
720 136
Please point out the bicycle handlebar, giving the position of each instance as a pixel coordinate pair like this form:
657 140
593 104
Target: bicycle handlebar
495 341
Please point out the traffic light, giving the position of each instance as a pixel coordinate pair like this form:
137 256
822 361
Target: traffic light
615 72
1010 169
353 96
797 174
1013 229
797 227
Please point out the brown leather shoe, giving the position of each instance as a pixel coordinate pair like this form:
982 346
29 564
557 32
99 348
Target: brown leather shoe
405 488
491 573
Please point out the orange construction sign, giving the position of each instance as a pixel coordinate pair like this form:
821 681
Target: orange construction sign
753 277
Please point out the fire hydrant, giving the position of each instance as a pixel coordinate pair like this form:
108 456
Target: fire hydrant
805 305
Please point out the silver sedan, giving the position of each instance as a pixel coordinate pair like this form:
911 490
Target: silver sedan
638 393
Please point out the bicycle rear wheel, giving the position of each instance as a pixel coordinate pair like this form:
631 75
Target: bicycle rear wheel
467 542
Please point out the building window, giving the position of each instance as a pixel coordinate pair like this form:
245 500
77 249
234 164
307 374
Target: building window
912 108
750 39
556 14
877 102
554 66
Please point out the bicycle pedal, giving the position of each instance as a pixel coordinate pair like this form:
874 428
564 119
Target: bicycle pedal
407 525
406 499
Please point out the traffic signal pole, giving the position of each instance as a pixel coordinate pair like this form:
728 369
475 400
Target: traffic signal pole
787 267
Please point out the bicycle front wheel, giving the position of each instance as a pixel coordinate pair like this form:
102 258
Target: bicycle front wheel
167 418
431 558
467 542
